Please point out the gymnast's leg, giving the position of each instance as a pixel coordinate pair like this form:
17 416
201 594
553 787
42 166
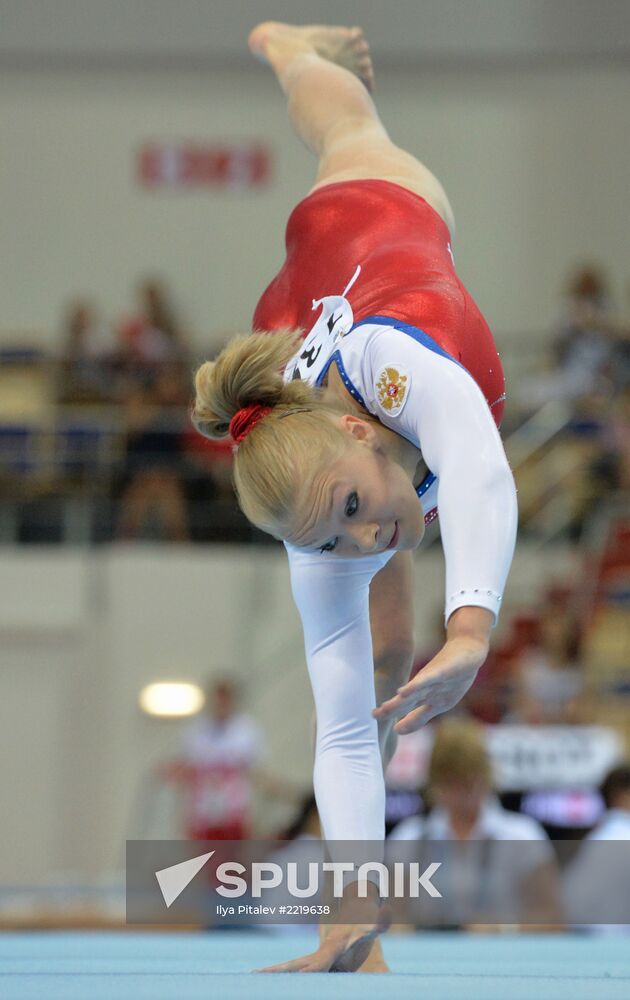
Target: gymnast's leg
393 644
326 73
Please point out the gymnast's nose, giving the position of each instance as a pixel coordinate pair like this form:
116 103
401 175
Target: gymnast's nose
365 537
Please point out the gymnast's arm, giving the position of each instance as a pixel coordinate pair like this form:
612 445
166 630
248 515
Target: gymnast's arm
447 416
332 596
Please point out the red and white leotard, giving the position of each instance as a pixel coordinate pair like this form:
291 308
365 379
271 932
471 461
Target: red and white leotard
407 273
369 277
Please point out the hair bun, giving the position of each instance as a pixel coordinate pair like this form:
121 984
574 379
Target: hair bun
248 372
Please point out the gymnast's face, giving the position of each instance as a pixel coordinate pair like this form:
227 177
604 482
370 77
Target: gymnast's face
361 504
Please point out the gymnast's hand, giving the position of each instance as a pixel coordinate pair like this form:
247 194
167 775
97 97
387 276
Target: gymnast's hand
444 681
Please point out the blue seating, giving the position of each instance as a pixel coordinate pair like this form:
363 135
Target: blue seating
20 449
83 446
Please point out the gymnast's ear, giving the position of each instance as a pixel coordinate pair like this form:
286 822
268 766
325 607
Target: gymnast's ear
358 429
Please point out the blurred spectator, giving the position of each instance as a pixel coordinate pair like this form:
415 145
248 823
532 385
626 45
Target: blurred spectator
583 343
459 786
154 488
225 746
209 487
152 338
583 346
225 754
547 673
615 824
86 356
465 810
598 879
610 471
210 459
621 356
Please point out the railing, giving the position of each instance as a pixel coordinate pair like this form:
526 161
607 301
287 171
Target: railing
81 460
78 454
72 468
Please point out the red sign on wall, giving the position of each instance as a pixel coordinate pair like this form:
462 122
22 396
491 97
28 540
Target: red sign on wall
190 165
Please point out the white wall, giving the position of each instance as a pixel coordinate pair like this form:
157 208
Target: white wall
81 632
216 29
536 163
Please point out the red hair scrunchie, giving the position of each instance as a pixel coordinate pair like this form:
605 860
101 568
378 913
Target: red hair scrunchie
245 419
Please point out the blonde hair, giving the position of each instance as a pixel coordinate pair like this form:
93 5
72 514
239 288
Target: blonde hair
276 462
459 754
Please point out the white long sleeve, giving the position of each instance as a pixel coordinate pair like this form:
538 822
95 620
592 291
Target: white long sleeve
332 596
446 415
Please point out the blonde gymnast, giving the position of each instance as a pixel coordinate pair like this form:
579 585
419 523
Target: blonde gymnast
368 397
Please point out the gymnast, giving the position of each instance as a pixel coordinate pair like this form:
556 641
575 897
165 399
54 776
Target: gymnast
367 398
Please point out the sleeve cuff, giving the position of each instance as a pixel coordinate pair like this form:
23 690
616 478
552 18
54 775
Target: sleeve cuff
478 597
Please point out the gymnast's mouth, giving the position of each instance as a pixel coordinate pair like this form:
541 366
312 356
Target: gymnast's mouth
394 539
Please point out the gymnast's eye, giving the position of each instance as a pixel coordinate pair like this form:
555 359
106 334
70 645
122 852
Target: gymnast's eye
352 504
329 546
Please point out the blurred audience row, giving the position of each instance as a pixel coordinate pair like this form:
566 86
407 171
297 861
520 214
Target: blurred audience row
144 365
123 443
586 461
105 362
124 446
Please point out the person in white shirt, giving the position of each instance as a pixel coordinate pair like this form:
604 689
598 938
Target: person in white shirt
225 760
615 824
482 883
224 751
597 881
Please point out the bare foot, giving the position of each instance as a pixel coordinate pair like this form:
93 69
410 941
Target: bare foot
346 47
345 949
375 962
